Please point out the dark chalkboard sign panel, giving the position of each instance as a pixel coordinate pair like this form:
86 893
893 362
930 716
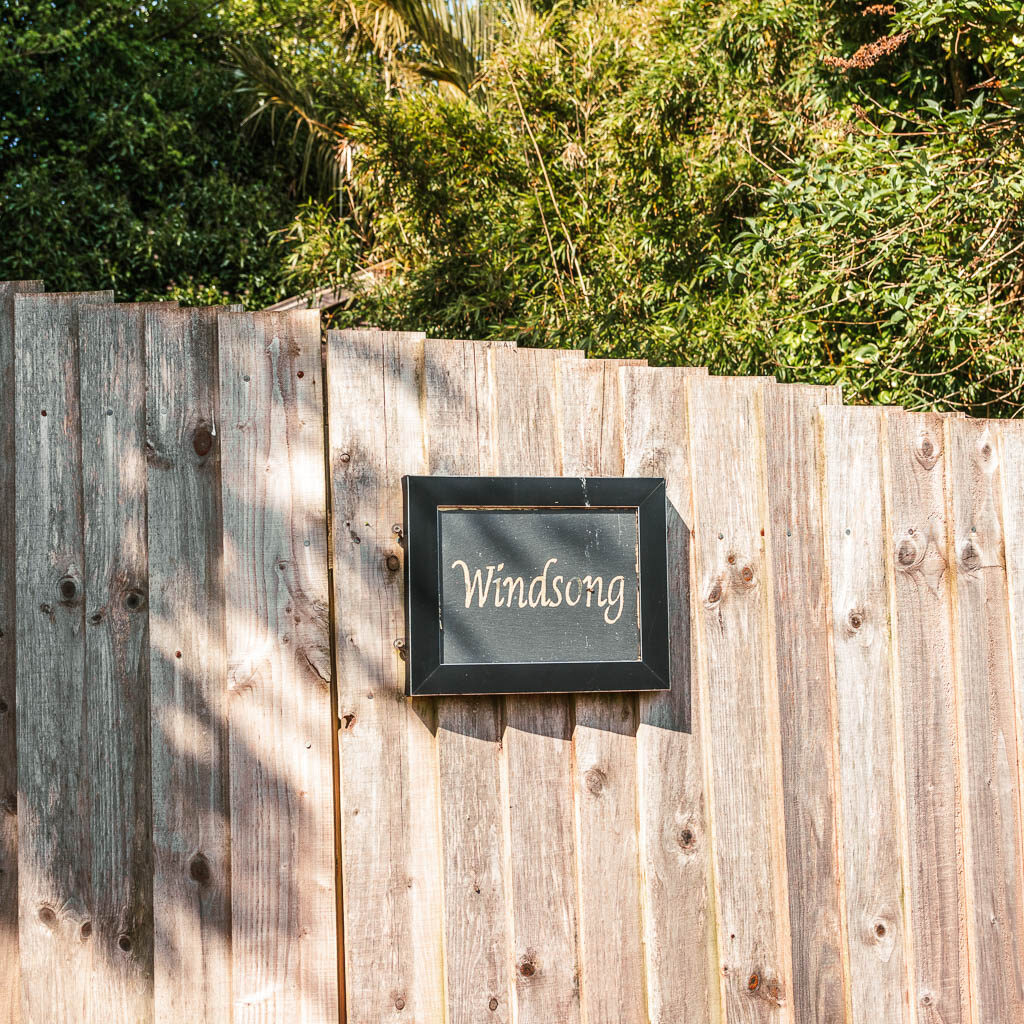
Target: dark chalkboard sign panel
535 584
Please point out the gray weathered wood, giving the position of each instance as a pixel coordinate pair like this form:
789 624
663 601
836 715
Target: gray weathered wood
987 722
673 833
604 745
283 883
926 704
393 934
191 848
54 855
458 424
10 998
538 738
870 787
806 706
116 694
735 627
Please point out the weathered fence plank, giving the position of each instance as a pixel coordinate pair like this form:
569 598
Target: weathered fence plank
735 627
54 857
191 836
926 704
673 835
869 786
10 983
283 890
478 949
538 738
987 722
116 694
806 705
393 934
604 745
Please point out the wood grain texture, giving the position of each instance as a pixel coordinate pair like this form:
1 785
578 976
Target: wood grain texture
604 746
987 722
390 832
735 626
10 982
54 858
283 896
926 706
191 835
538 738
870 787
807 712
116 694
673 833
478 947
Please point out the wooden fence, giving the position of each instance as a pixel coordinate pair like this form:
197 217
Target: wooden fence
217 804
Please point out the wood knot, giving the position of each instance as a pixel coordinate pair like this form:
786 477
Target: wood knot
527 965
202 440
86 930
393 562
124 942
855 620
595 779
747 575
714 594
67 589
134 599
969 556
48 916
344 457
399 1003
907 553
926 451
687 839
753 982
492 1004
199 869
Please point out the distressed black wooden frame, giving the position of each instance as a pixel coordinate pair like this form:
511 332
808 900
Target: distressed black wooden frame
426 496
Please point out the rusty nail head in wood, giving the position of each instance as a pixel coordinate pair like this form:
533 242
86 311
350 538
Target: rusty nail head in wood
344 457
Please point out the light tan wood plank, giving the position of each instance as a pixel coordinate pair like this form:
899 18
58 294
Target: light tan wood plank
926 702
10 978
987 722
604 746
116 696
807 710
390 820
538 738
54 853
735 626
191 835
856 540
283 896
478 950
673 834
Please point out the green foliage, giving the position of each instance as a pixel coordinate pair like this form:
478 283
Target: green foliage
767 186
121 160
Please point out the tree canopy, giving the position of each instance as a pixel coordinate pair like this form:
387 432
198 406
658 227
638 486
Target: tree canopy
824 191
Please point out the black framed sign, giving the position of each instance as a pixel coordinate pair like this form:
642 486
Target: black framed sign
535 585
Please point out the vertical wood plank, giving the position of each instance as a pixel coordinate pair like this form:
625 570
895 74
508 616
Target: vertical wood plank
54 860
807 712
191 837
478 950
10 998
870 788
926 704
116 695
987 722
740 694
283 897
673 837
604 746
391 865
538 738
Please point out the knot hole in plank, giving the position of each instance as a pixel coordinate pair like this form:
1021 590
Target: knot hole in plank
69 589
202 440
